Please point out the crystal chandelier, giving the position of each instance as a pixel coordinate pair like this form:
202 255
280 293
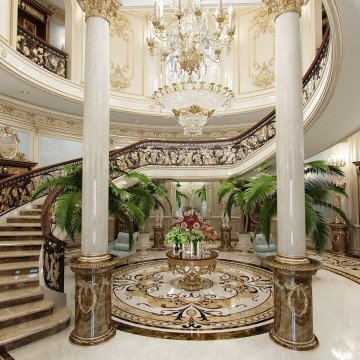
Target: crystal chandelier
190 47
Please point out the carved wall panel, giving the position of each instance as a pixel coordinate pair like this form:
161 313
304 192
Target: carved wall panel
126 54
262 50
256 51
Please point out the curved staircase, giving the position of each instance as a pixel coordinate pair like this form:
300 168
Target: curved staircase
24 314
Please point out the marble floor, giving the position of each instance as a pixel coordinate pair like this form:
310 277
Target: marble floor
336 323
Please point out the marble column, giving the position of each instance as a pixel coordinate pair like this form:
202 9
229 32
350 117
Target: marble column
93 268
293 326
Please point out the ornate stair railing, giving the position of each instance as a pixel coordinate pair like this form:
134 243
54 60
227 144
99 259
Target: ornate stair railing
17 190
54 248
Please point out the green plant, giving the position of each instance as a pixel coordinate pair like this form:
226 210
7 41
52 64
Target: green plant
179 196
131 204
176 235
258 194
201 193
194 235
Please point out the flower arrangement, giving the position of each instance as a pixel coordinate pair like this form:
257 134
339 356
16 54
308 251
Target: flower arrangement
176 236
193 227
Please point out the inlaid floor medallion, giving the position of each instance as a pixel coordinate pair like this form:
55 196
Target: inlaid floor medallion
237 303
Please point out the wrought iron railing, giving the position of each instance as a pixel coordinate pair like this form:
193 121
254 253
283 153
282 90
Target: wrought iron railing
54 248
41 53
17 190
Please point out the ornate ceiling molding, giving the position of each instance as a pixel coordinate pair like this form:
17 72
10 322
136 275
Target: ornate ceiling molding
107 9
29 118
278 7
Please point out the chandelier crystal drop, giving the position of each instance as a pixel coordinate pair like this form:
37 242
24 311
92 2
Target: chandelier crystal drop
190 46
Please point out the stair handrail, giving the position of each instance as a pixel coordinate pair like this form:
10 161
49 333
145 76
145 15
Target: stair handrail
17 190
53 248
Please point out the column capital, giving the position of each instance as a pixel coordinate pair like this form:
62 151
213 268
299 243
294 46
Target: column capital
278 7
106 9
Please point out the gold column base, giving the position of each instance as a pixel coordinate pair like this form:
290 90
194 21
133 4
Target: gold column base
92 300
307 346
293 312
77 340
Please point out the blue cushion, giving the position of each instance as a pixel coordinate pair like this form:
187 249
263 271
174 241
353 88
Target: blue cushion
121 247
122 238
265 248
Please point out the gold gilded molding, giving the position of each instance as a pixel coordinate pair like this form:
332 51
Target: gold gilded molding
262 72
107 9
278 7
87 290
3 53
120 75
298 294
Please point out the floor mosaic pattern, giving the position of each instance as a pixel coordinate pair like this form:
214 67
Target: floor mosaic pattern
240 303
343 265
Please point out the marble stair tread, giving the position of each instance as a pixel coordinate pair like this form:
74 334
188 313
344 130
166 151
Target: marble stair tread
21 218
20 233
35 329
14 295
14 279
26 242
17 254
19 311
19 226
19 265
37 211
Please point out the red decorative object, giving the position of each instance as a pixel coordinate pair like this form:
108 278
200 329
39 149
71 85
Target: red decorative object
192 220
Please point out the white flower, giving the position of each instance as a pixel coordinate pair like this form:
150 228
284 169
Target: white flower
196 225
184 225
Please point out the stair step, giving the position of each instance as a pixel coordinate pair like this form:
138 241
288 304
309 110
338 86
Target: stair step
31 212
19 227
11 282
17 268
24 219
18 314
10 245
20 296
18 235
21 255
21 334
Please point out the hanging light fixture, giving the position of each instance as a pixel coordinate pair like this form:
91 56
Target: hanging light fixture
190 47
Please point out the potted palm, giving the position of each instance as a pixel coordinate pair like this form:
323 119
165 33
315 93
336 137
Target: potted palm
257 194
131 205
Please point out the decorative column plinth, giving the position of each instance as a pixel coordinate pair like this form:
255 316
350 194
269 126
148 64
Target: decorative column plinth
92 300
226 239
159 238
339 238
293 312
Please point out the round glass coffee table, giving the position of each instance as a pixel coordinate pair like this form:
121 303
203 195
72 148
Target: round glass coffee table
192 267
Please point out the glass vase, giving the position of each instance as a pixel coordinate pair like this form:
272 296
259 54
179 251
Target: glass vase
195 248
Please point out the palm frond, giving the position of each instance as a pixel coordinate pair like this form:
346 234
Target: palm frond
320 167
68 212
259 188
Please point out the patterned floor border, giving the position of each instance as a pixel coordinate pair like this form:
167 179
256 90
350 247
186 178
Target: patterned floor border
252 330
348 267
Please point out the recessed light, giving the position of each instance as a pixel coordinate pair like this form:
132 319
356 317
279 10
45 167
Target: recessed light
25 92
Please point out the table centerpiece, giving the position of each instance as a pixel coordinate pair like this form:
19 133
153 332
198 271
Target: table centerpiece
190 228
